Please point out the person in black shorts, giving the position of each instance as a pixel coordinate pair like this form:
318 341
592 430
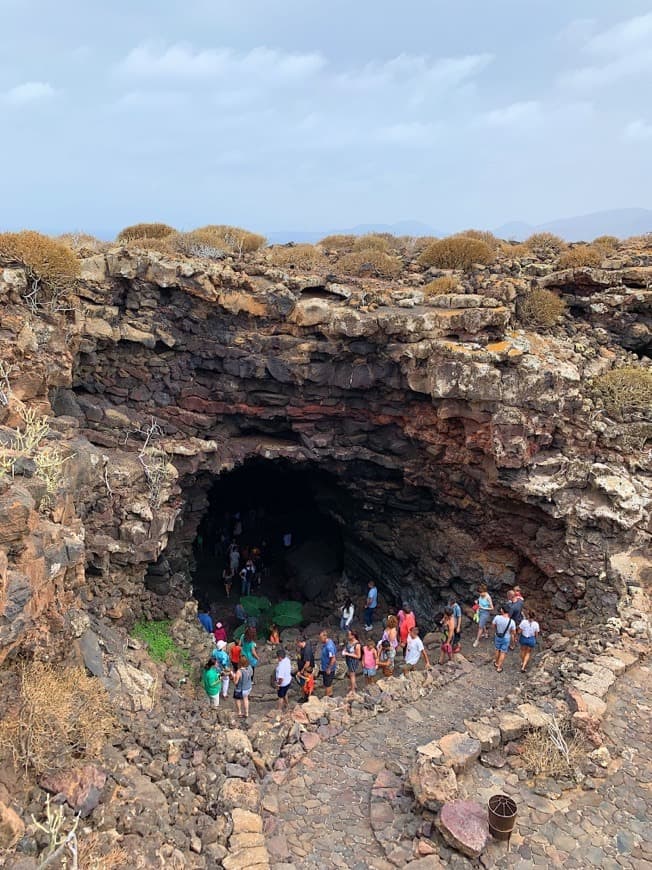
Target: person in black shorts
328 662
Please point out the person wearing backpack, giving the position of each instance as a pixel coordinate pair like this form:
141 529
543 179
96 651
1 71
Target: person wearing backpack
504 635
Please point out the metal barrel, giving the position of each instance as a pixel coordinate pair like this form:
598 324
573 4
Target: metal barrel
502 816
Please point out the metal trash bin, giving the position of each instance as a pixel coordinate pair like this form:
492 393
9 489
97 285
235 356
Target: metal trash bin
502 816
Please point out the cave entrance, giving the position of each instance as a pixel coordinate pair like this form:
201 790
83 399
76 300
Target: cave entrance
260 504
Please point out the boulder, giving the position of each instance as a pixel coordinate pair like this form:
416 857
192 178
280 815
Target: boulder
511 726
246 822
247 859
315 709
433 784
583 702
465 826
431 750
134 689
535 717
488 735
12 827
589 726
594 680
236 745
81 786
459 749
238 793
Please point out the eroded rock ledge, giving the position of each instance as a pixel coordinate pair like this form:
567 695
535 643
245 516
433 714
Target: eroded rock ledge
460 447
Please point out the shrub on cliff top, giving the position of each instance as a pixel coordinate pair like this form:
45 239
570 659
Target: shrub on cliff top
545 244
581 255
303 256
443 284
341 243
607 243
482 236
63 715
384 242
456 252
50 261
623 391
371 262
541 307
144 231
235 240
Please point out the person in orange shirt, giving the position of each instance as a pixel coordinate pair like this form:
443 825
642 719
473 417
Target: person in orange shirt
406 621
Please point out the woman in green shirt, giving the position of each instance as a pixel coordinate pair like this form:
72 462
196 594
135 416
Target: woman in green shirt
249 648
212 682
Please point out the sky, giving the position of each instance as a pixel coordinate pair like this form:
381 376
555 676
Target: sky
306 114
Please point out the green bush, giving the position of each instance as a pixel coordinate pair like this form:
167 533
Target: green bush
287 613
541 307
457 252
160 643
144 231
624 391
254 605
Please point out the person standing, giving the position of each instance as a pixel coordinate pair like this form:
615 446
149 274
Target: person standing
227 579
223 660
328 661
369 661
205 618
249 648
515 606
242 685
391 632
283 678
370 606
234 558
528 632
352 655
448 633
212 682
504 634
414 650
386 658
219 632
346 615
485 608
406 622
305 653
457 618
245 583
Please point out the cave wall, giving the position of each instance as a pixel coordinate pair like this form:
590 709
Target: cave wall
467 446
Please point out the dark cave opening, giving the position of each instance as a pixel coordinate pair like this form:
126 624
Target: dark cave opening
257 505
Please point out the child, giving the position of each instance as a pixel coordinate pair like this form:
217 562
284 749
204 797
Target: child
212 682
274 634
306 680
235 651
447 635
369 661
386 658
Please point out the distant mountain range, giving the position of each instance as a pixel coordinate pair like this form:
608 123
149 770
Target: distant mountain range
622 222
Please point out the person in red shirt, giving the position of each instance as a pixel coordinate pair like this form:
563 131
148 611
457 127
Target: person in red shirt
234 654
406 621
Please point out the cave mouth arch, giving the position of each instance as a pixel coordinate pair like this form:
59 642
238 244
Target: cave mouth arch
258 504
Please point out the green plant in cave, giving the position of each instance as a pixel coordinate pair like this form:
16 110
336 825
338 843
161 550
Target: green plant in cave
161 645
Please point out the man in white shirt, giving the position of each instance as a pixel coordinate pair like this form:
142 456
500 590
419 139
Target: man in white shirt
414 650
283 678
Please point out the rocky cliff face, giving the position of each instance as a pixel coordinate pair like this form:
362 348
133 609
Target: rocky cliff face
454 446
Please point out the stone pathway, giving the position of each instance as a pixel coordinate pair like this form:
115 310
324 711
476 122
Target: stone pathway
324 804
323 817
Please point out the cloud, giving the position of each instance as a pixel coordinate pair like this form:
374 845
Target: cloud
625 36
181 61
638 131
516 114
28 92
623 51
447 72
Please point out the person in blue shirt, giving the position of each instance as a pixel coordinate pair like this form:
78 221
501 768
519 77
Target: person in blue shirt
328 662
457 617
370 606
223 660
205 618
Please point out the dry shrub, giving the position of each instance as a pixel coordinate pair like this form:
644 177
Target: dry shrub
545 244
607 243
235 240
51 266
642 242
150 243
303 256
194 245
63 715
384 242
624 391
443 284
515 250
543 757
482 236
457 252
82 243
541 307
371 262
340 243
92 855
581 255
144 231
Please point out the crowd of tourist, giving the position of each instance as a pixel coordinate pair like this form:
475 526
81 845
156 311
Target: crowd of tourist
364 657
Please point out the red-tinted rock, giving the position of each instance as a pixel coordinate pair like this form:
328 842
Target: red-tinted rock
465 826
81 786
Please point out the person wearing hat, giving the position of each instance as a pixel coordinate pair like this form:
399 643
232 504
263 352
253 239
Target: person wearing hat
283 678
221 656
219 632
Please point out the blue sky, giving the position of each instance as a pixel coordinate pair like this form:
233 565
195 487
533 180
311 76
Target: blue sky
308 115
